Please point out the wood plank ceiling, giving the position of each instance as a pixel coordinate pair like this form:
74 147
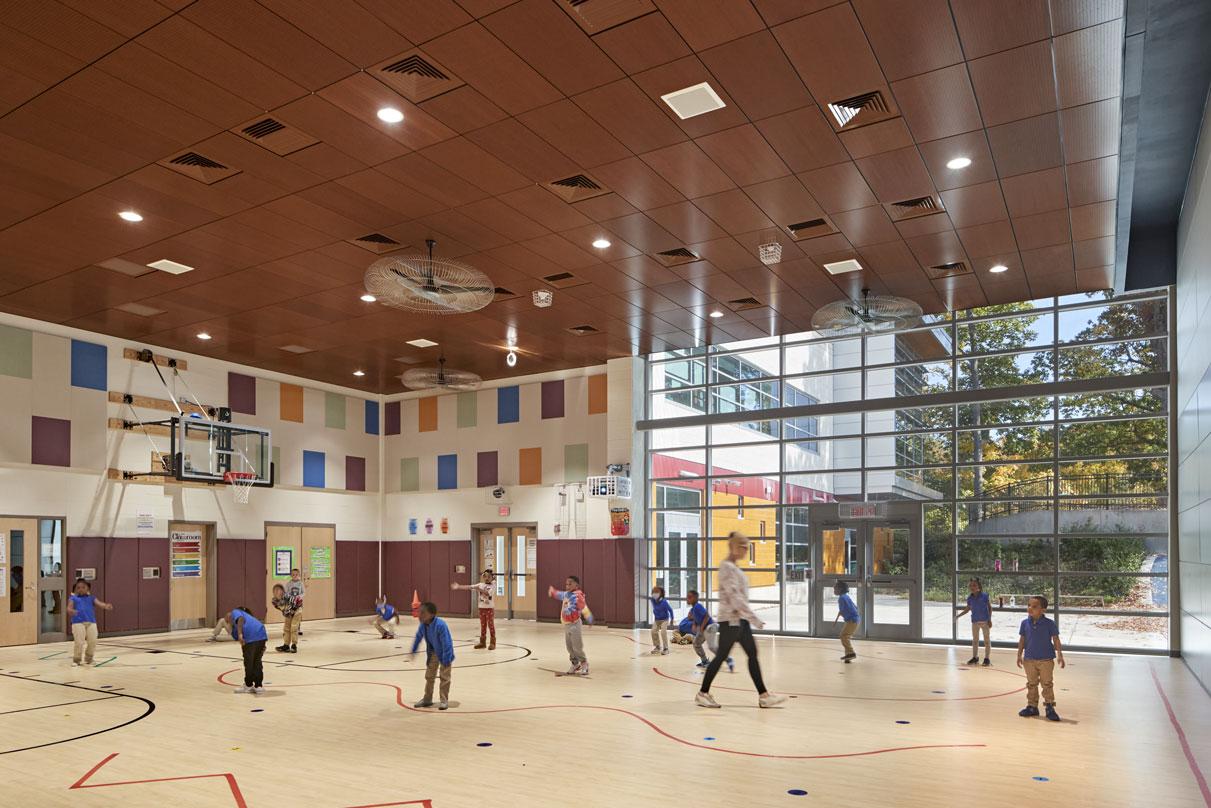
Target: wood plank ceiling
502 98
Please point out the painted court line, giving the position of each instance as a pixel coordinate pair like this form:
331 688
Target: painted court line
399 700
1181 737
61 704
661 673
49 656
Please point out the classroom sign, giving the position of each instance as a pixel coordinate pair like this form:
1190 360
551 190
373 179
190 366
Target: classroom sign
321 562
186 553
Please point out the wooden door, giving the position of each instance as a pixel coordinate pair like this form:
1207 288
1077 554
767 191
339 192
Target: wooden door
189 603
278 540
319 566
523 557
19 566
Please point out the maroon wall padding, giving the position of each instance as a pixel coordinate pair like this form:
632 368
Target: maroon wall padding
461 601
255 571
418 575
367 574
346 577
83 551
230 571
606 568
153 592
439 576
121 576
397 574
428 568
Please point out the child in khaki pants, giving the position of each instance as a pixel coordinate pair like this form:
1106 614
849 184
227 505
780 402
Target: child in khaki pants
846 608
1038 649
83 617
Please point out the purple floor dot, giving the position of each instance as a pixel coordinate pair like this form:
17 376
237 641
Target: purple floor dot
483 743
797 792
1041 779
257 710
903 722
937 691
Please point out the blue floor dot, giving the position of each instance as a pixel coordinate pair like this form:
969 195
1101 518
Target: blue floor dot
1041 779
797 792
903 722
483 743
709 738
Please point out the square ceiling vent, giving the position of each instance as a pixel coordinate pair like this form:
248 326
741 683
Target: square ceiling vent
841 267
693 101
274 135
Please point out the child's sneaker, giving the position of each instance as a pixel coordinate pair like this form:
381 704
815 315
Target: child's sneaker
75 663
584 669
573 670
212 639
1052 715
664 652
443 705
987 662
294 649
770 700
849 657
701 664
481 644
285 649
705 700
655 651
731 665
975 660
423 703
492 645
258 690
242 689
1029 711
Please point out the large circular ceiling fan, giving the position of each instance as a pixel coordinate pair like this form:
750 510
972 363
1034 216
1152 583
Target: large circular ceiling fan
439 378
871 313
428 285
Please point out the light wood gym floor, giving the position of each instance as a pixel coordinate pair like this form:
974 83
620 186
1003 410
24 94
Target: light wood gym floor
904 726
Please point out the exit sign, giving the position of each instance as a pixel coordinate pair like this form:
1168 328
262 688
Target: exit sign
860 510
503 510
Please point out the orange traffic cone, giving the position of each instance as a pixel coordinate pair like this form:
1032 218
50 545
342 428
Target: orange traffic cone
415 605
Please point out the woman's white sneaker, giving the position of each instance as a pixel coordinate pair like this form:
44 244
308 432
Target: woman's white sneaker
770 700
705 700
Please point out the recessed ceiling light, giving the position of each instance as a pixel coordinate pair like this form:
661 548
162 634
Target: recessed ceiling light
691 101
131 216
958 162
203 335
716 313
601 243
390 115
359 373
998 268
368 298
422 343
171 267
839 267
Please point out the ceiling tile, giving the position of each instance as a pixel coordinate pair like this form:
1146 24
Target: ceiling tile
865 226
637 183
877 138
938 104
785 201
721 21
975 204
1042 230
1028 194
973 146
1089 64
1092 180
629 115
803 139
1015 84
1091 131
831 52
757 75
989 26
838 187
687 169
896 175
687 223
910 38
734 212
744 155
1028 145
485 63
566 127
643 43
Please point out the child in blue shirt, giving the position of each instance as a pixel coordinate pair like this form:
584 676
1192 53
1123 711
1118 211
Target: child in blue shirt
439 654
252 636
1038 648
83 617
847 609
384 613
981 620
705 631
662 615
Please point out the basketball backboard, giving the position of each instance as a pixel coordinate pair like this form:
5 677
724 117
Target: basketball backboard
204 450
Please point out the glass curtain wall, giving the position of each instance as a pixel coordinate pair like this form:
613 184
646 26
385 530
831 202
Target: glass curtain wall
1062 493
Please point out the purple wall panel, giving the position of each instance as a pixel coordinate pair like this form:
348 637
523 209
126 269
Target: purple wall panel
153 592
391 417
547 575
50 441
355 473
230 569
487 472
241 393
255 570
552 399
346 577
121 576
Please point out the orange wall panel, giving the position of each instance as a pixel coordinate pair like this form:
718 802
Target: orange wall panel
529 466
426 412
291 399
597 394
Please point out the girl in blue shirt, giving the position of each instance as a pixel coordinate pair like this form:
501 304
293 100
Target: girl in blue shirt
662 615
82 613
981 620
846 608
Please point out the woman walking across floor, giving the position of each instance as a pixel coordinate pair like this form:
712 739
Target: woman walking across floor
736 621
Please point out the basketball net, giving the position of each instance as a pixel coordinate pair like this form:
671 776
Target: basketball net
241 483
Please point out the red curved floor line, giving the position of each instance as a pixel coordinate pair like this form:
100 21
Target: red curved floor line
228 776
399 700
659 672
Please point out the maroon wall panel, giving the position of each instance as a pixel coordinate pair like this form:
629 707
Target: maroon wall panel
346 577
418 574
439 577
548 573
624 581
121 575
88 552
461 602
367 575
230 569
591 579
605 592
254 577
153 592
397 574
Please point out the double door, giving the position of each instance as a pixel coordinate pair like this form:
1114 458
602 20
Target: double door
511 552
880 561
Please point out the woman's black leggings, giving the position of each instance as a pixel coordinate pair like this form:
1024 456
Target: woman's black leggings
254 674
729 635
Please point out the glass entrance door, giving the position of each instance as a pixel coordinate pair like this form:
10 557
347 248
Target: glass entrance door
880 562
52 589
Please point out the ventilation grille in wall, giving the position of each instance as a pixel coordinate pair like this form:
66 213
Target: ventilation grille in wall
598 15
811 228
913 208
416 76
376 243
577 187
277 137
860 110
676 256
198 167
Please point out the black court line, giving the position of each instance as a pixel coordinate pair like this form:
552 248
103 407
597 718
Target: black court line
151 708
61 704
